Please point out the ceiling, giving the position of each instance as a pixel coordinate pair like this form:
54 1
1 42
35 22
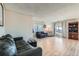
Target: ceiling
36 9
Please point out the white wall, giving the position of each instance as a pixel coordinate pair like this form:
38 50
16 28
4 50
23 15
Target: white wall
2 28
2 31
13 18
66 14
18 24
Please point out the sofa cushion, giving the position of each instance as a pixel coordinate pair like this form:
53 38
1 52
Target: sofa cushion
22 46
25 49
7 46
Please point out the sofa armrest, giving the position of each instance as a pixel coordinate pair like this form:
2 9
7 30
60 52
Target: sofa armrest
36 51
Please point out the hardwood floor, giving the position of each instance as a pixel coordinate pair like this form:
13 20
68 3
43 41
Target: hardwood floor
55 46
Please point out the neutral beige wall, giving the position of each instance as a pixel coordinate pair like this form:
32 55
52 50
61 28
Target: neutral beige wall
12 18
2 28
2 31
66 14
64 26
18 24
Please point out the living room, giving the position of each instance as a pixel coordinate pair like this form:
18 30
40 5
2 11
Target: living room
51 28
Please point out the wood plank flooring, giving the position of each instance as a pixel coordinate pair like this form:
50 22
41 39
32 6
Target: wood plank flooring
55 46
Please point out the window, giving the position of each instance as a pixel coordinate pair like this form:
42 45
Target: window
58 29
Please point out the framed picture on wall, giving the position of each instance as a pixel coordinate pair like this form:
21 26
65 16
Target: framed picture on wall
1 15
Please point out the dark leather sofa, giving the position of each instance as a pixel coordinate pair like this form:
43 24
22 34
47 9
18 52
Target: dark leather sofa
17 47
41 34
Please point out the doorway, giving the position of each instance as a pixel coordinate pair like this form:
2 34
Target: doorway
58 29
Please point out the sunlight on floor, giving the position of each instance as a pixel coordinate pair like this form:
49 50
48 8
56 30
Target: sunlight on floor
53 46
